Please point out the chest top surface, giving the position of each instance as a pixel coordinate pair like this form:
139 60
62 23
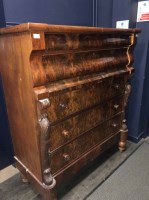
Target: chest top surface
63 28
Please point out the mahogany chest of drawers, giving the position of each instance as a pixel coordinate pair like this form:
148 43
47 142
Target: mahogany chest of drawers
66 89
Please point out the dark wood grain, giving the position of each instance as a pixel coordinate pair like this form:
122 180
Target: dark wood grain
52 67
85 41
65 103
65 91
84 160
67 130
76 148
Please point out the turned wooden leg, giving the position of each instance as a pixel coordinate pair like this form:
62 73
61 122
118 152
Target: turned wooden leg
124 130
24 179
123 137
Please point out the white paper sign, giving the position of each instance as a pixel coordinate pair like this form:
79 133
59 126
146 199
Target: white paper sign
143 11
36 36
122 24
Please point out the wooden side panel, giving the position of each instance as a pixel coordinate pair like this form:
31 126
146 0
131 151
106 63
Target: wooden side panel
14 55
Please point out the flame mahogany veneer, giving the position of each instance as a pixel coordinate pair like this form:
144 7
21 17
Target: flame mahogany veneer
66 88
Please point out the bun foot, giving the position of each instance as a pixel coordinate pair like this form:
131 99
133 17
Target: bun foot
122 146
24 179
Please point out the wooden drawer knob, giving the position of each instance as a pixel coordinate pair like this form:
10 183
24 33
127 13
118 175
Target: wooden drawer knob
63 105
116 86
116 106
114 125
45 103
66 157
65 133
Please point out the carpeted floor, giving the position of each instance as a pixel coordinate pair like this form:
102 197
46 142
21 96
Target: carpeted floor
130 181
113 176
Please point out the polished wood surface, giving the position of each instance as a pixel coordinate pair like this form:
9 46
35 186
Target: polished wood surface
63 29
66 89
66 130
18 92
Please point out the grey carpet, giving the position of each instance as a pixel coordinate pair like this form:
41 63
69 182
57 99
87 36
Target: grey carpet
130 181
83 185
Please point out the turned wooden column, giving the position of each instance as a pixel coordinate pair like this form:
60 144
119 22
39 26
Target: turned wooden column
124 129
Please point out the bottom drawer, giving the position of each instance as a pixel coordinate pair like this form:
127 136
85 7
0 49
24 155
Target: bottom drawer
84 143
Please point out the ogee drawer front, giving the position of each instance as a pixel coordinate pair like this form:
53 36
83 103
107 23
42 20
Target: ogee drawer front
66 102
71 128
85 41
84 143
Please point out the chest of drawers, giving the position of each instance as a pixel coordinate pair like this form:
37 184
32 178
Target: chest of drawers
66 89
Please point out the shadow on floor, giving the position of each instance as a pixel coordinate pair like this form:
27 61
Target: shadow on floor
4 160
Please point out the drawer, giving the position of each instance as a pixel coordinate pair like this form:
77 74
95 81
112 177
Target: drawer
115 124
69 129
84 143
85 41
118 85
67 102
116 105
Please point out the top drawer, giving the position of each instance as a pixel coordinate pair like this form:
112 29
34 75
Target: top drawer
72 41
72 100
